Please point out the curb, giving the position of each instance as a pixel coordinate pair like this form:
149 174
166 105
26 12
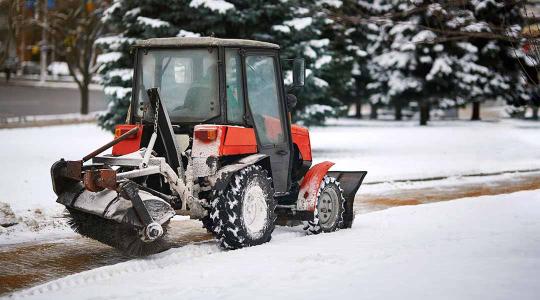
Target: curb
47 120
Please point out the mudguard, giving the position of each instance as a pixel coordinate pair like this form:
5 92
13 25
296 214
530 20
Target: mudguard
223 175
309 188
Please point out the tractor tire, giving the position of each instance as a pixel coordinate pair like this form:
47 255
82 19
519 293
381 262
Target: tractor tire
328 215
243 213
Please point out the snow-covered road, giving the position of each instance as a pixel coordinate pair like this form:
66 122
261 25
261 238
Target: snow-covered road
479 248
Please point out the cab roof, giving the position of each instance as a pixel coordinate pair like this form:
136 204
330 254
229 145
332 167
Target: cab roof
180 42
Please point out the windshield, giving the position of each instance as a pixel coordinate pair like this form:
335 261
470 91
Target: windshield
187 81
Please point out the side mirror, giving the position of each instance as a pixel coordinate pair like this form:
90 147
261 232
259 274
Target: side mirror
291 101
299 72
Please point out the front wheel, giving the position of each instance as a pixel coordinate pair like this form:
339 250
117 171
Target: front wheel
328 215
243 213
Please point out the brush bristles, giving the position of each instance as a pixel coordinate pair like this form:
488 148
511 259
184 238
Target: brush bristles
117 235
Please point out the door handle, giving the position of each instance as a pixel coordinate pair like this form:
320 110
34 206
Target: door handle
282 152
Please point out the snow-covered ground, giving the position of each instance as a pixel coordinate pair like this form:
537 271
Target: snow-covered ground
388 150
391 150
26 157
477 248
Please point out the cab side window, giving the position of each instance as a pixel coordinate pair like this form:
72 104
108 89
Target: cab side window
233 83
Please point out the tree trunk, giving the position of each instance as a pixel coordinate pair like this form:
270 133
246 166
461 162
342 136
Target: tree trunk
398 115
534 112
475 111
373 112
84 99
358 113
424 112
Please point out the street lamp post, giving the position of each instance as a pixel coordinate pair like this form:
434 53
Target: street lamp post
43 56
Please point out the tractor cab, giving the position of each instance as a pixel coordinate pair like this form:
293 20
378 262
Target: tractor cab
209 135
222 82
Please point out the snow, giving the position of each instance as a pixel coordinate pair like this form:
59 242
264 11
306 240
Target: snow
299 23
394 59
281 28
320 82
117 91
220 6
185 33
391 150
319 43
476 248
114 42
438 48
424 36
332 3
478 27
111 10
309 52
58 68
359 52
485 4
398 83
124 74
154 23
440 66
27 155
434 9
108 57
133 12
323 60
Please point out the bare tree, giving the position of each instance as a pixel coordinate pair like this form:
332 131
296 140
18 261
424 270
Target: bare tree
74 27
13 24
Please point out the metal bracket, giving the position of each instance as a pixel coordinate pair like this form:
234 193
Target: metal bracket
152 230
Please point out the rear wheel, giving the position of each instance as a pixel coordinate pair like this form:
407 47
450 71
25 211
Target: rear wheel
243 214
330 208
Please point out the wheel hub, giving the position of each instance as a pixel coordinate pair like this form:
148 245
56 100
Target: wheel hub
254 210
328 208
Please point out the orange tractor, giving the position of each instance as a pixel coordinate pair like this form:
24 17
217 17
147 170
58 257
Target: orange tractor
208 134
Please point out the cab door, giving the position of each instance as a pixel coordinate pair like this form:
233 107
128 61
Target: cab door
265 98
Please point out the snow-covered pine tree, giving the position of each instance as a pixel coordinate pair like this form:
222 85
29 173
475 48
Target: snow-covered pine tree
306 32
421 65
351 36
373 68
498 63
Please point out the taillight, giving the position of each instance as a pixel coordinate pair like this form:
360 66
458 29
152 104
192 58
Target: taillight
206 134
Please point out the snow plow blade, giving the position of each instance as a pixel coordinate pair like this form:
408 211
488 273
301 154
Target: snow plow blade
350 182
